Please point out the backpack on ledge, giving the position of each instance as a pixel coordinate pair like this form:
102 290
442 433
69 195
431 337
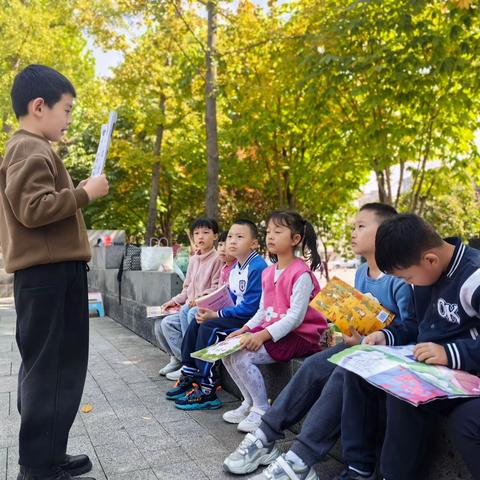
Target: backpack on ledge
131 260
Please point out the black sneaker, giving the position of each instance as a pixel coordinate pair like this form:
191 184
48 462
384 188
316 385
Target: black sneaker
182 387
197 399
56 474
349 474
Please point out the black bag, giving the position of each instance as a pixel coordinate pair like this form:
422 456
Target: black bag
131 260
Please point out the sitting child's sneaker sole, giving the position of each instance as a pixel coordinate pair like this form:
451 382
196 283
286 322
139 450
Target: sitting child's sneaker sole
213 405
264 460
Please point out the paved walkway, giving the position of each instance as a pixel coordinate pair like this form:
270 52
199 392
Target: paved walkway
133 433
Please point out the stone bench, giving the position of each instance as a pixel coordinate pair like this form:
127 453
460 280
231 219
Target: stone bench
139 290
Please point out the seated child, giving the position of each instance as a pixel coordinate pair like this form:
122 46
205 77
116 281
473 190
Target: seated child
226 258
196 387
315 391
202 277
446 276
285 326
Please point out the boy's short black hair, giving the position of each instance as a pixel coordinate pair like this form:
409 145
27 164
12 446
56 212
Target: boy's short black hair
252 227
381 210
209 223
38 81
222 237
401 241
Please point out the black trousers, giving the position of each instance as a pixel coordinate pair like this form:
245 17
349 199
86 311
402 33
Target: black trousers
52 335
203 335
407 432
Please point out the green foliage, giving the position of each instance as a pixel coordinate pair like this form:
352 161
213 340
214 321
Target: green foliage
313 95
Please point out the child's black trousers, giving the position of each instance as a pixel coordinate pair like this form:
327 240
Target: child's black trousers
52 335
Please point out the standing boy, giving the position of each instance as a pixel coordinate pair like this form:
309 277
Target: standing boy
446 276
245 284
45 243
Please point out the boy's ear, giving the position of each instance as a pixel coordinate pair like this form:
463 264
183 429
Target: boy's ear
431 258
255 244
37 106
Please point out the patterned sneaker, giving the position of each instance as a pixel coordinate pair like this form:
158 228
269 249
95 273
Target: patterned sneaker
182 387
349 474
283 469
249 455
197 399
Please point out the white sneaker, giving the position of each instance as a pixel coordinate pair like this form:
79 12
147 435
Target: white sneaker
252 422
175 375
237 415
283 469
249 455
173 365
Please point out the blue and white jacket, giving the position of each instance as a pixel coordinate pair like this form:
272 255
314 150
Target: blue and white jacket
245 285
448 312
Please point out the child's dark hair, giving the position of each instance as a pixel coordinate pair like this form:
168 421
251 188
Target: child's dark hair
209 223
381 210
252 227
222 237
308 237
38 81
401 241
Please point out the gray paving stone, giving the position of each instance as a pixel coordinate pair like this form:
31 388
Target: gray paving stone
185 471
138 475
4 404
9 431
8 383
3 463
120 457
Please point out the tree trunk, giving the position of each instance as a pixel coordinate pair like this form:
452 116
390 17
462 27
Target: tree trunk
211 200
327 273
155 184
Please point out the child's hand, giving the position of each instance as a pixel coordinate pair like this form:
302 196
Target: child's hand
354 339
254 341
430 353
192 303
83 183
169 304
96 187
238 332
375 338
205 314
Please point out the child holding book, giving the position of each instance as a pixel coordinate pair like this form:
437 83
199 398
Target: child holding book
195 389
285 326
446 275
315 391
202 277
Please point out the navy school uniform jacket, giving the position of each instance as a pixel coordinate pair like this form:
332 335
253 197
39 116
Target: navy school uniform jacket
245 285
448 312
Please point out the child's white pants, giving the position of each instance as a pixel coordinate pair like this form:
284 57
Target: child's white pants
242 367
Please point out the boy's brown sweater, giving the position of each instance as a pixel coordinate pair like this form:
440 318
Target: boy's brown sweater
40 217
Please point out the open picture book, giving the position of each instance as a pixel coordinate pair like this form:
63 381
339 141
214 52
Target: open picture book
220 350
216 300
395 370
345 306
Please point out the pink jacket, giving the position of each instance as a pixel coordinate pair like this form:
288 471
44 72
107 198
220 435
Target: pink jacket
203 275
276 297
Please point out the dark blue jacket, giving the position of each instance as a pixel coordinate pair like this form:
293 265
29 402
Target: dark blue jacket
448 312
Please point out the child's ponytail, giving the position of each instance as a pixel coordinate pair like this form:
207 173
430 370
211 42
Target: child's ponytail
308 237
309 241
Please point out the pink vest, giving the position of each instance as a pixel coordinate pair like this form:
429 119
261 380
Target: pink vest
276 300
